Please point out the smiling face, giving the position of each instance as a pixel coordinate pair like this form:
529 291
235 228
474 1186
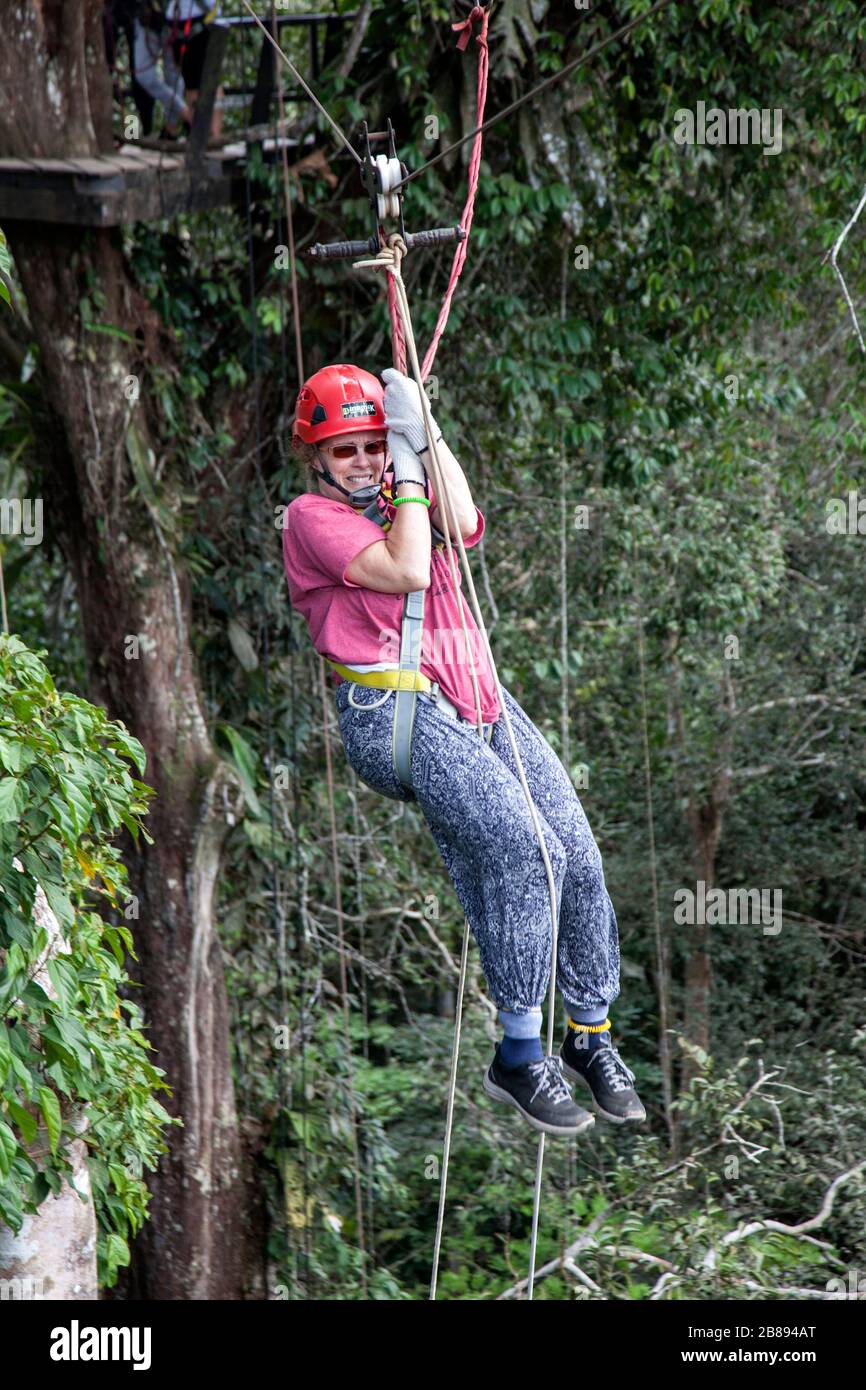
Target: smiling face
361 468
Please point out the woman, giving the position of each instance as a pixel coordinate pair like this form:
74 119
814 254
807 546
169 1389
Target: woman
348 573
191 23
151 52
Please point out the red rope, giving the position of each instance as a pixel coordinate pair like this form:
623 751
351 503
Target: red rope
399 347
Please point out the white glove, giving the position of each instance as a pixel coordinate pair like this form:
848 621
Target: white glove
404 412
408 468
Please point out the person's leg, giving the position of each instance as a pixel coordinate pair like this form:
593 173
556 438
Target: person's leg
194 55
588 941
155 71
143 101
479 820
366 737
481 825
478 816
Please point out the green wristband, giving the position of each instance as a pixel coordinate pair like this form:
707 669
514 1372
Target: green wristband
398 500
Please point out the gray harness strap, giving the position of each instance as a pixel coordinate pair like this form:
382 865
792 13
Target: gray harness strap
411 633
405 700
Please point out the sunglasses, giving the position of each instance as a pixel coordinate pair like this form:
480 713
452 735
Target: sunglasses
348 451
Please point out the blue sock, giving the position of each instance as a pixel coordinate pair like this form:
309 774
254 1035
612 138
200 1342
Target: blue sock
513 1052
522 1041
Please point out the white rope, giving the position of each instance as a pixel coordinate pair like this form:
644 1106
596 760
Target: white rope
390 258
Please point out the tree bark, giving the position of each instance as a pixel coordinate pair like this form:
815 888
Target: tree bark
115 522
705 818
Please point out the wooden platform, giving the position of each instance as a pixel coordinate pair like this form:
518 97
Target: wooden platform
136 184
132 185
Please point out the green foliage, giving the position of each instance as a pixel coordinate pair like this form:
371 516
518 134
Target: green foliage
5 269
71 1046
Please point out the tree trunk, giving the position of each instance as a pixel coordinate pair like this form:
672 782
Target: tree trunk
96 451
705 822
705 825
705 817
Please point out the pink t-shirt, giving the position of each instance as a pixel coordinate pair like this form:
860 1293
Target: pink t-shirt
360 627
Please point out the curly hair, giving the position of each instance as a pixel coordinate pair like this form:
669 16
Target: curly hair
306 455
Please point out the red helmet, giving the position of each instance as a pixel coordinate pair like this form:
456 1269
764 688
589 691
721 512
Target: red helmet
338 400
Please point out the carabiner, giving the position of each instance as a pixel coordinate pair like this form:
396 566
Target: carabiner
375 704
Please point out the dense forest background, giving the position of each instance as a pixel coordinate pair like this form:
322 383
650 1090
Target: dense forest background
692 644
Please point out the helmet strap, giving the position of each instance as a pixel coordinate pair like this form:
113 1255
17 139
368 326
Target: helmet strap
362 496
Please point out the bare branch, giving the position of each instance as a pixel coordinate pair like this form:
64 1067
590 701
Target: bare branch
780 1227
834 251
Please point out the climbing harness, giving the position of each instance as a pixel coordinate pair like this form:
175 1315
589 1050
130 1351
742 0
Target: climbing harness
183 31
195 24
408 680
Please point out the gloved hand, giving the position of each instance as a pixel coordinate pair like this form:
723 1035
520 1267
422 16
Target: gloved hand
408 468
404 412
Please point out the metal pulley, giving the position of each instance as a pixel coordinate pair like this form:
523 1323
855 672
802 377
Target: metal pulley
389 173
382 175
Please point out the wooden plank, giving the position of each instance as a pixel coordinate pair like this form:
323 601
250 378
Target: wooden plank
135 157
55 166
98 166
95 168
134 152
36 180
92 188
58 205
30 193
228 152
32 164
270 144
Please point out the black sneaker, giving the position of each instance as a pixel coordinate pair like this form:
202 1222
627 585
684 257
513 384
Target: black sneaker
538 1091
607 1078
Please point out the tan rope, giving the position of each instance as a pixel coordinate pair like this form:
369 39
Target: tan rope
390 258
344 986
290 229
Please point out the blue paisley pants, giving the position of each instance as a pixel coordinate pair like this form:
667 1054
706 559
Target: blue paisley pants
470 795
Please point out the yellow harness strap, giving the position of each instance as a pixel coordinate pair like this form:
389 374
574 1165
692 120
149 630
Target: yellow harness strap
383 680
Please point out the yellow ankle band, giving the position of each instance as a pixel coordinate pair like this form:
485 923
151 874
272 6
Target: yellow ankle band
589 1027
